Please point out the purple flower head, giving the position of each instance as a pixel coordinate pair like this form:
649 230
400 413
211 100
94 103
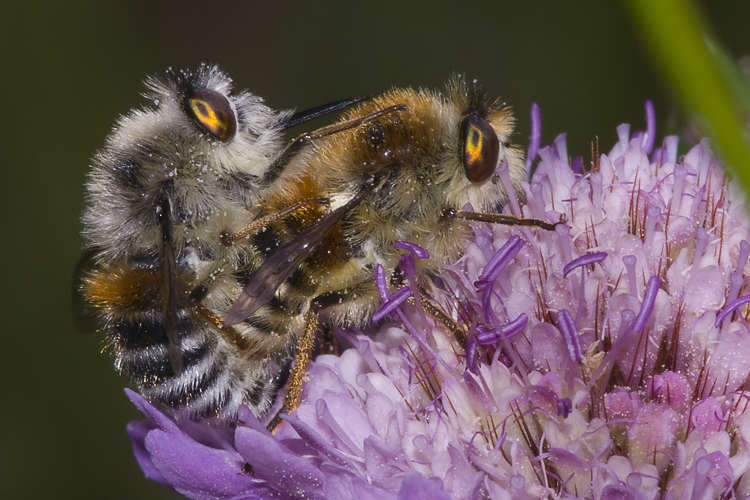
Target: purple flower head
607 359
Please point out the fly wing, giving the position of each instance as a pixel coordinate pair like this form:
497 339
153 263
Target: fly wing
170 310
318 111
169 282
279 266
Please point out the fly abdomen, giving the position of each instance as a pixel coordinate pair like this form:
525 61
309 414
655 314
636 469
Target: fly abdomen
210 385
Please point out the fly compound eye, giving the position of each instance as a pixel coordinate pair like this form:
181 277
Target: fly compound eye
212 112
480 148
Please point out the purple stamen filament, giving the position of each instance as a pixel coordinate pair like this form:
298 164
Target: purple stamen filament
596 194
549 161
652 215
742 258
392 303
647 306
504 174
584 260
648 143
730 308
536 135
501 259
563 233
417 250
701 240
670 143
381 283
537 200
629 261
562 147
570 334
471 355
680 173
495 335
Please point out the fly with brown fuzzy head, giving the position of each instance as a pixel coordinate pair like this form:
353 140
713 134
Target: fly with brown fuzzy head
402 167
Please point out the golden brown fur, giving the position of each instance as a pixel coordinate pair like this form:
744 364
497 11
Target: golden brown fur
171 203
418 152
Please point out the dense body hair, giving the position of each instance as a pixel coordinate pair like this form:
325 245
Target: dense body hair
169 180
160 152
419 152
192 203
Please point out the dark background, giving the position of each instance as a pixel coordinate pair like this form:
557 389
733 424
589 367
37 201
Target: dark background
68 72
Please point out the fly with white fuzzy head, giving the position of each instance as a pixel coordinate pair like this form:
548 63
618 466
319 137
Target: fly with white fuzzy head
171 178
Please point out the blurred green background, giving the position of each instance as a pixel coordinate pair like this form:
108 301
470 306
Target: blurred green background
68 72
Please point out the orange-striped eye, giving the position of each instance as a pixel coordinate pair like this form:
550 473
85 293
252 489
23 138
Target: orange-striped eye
480 149
212 112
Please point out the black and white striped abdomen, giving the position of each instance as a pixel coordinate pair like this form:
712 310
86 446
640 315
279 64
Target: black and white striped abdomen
215 380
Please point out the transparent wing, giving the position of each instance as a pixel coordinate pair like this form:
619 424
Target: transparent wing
318 111
279 266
